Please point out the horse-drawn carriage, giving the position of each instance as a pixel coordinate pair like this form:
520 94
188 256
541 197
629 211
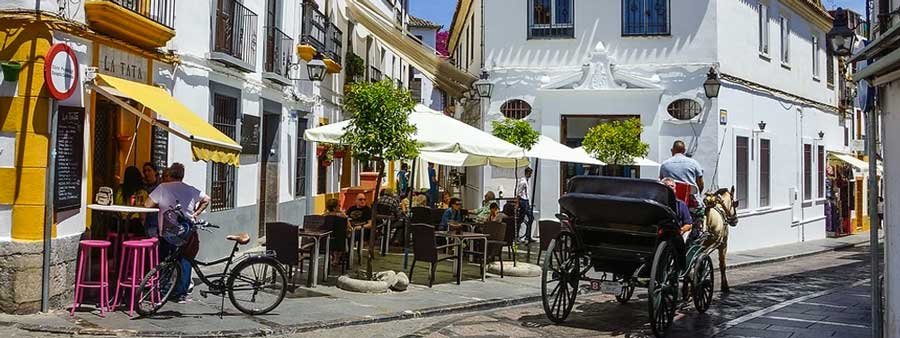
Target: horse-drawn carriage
626 229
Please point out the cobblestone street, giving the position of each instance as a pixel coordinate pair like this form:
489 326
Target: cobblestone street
824 295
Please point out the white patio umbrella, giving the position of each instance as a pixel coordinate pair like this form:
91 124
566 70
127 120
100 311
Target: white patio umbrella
436 132
545 149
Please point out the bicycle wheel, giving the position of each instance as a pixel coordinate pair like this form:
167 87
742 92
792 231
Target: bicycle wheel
256 286
156 287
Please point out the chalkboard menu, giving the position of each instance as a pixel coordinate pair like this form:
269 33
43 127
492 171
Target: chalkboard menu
159 147
69 150
250 135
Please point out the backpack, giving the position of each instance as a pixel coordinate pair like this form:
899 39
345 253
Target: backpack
176 226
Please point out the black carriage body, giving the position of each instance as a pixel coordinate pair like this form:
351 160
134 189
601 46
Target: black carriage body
618 222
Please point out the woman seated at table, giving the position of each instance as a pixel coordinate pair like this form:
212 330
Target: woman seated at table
132 193
331 208
494 213
482 213
452 215
446 201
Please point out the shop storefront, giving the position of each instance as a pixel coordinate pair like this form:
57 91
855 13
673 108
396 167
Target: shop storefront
846 201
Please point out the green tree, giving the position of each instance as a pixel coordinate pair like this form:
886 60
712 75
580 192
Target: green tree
380 130
617 142
517 132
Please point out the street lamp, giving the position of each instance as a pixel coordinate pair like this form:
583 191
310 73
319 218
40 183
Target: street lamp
712 84
762 125
821 135
316 69
484 86
841 36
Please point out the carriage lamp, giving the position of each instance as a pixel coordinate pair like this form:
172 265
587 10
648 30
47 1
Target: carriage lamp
712 84
316 68
484 86
841 36
761 125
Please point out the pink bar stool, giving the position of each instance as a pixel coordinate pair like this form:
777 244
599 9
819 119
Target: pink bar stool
153 261
83 280
132 268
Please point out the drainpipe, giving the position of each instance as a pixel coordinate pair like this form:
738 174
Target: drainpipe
49 213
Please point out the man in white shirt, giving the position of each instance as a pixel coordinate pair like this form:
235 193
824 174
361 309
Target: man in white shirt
193 202
524 205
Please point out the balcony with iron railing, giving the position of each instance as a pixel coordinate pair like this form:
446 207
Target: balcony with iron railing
313 35
333 48
234 35
150 23
279 47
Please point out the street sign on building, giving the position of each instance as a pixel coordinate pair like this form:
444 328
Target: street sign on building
61 75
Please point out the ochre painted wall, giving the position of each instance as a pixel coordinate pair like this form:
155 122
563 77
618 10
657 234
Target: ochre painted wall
25 115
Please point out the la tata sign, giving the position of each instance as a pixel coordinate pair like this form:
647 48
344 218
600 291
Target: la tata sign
61 71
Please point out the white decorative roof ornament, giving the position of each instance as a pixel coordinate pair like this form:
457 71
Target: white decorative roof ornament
598 70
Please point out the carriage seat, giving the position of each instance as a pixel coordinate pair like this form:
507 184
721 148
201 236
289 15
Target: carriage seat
241 238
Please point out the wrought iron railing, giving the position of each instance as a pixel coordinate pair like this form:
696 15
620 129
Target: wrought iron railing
314 26
279 47
235 29
334 44
160 11
374 74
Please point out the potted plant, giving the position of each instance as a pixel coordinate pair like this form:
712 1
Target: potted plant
338 151
617 143
11 70
321 149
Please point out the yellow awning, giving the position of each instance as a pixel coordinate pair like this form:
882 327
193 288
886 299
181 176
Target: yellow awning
453 80
207 142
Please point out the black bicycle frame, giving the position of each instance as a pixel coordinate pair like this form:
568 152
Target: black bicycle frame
213 281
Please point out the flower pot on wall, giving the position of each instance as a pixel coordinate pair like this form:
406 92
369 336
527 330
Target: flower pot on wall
11 70
306 52
321 150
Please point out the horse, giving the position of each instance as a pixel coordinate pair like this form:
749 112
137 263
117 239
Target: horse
721 210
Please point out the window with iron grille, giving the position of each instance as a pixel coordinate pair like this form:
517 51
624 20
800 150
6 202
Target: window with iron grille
807 172
645 17
300 179
415 88
765 172
763 28
684 109
829 65
785 40
222 176
515 109
820 171
551 19
742 172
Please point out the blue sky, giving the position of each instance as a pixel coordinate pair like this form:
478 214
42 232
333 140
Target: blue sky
441 11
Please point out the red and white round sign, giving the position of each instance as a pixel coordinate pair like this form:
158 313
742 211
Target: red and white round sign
61 71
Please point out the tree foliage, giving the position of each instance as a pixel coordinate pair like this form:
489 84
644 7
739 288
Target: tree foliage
379 131
617 142
517 132
380 127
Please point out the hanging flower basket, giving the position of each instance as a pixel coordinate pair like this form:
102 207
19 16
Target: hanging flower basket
321 150
339 152
325 163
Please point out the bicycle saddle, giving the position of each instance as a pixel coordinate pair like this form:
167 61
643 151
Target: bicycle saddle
241 238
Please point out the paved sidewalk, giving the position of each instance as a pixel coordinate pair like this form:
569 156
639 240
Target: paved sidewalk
844 312
327 306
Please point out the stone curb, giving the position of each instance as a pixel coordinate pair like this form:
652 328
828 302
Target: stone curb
312 326
288 329
795 255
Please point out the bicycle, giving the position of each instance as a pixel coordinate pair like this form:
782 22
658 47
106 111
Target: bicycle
255 286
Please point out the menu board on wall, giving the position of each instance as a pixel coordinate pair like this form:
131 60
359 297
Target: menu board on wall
250 135
69 151
159 147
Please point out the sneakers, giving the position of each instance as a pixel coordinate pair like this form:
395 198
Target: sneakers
183 299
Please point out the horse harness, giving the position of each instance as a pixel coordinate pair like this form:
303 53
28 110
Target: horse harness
730 218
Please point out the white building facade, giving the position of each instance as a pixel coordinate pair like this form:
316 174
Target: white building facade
567 65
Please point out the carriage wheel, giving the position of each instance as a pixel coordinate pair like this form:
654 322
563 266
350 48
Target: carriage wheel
559 277
663 289
703 284
627 290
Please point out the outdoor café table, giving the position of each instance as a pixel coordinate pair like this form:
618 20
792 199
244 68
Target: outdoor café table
466 236
121 213
317 236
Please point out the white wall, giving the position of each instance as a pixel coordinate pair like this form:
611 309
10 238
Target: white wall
693 38
891 140
740 56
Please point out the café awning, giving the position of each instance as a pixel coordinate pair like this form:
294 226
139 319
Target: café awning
545 149
448 77
859 166
207 142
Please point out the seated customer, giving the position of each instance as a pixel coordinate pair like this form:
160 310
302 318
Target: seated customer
453 214
331 208
495 215
360 213
387 198
481 214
